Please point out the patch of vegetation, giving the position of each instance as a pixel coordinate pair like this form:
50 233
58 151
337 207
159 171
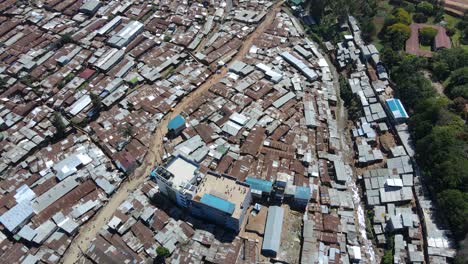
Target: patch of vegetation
369 220
330 14
167 38
27 80
351 102
59 124
127 131
438 128
65 80
62 41
427 35
96 101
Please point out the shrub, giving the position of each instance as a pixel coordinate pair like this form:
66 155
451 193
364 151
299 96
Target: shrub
397 34
402 16
427 35
420 18
162 251
425 7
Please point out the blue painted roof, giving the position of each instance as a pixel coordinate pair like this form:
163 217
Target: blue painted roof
398 111
259 184
218 203
176 122
302 192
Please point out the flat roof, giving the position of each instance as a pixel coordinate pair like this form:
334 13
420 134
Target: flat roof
183 170
225 188
218 203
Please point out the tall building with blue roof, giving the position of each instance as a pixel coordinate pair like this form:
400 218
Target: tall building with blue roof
222 200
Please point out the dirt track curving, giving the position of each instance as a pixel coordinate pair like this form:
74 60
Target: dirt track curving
90 230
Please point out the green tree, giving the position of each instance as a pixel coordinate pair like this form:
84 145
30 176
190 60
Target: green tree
387 257
96 101
427 35
127 130
454 205
455 58
59 124
390 57
440 70
162 251
388 253
420 18
425 8
402 16
396 35
3 85
441 154
458 84
368 29
414 89
426 116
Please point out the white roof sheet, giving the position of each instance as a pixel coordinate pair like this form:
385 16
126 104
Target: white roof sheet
12 218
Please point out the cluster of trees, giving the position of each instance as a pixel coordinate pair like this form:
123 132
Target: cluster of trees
451 67
463 27
396 29
330 14
424 10
439 131
351 102
396 26
427 35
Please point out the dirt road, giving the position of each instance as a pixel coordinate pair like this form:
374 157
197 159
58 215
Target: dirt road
89 231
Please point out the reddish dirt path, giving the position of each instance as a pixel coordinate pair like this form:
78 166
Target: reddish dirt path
90 230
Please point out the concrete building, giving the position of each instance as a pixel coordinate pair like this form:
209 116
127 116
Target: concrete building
222 200
177 180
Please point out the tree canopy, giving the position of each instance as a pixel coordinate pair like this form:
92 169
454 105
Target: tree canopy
396 35
427 35
425 8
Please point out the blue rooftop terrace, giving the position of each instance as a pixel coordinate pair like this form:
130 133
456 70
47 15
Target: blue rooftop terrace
218 203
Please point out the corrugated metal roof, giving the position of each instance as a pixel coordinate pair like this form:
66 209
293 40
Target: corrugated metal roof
259 184
302 192
12 218
283 99
273 229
